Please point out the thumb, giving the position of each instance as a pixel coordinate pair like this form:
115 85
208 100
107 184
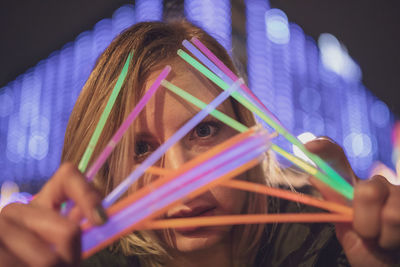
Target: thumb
334 155
358 251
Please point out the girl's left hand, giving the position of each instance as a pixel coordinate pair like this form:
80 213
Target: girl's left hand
373 239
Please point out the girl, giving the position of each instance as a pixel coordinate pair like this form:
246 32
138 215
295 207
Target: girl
37 235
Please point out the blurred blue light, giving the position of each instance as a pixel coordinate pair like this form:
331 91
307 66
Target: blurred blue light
213 16
358 145
335 58
123 18
277 26
6 103
148 10
379 114
310 99
38 146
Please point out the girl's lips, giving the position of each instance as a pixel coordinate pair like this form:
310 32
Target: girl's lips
191 213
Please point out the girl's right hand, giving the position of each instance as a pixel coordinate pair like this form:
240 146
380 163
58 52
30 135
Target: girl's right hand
35 234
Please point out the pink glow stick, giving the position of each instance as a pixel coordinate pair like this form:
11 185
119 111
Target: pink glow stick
231 75
125 125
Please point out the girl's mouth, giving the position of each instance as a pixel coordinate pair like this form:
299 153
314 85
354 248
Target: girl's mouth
199 211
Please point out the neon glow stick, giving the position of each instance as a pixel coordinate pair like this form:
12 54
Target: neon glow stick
67 206
220 65
104 116
225 73
296 197
336 182
184 168
156 155
168 194
241 128
125 125
105 243
278 127
247 219
200 104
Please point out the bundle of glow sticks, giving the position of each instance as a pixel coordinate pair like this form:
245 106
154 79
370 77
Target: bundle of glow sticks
215 167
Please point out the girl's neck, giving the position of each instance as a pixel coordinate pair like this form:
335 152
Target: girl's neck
218 255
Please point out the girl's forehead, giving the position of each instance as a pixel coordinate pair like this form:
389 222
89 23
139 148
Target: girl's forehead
166 112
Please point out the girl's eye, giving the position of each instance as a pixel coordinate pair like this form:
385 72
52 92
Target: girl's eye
205 130
141 148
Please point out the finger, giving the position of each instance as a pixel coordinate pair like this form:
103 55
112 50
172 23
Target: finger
390 233
7 258
369 199
334 155
69 183
26 246
54 229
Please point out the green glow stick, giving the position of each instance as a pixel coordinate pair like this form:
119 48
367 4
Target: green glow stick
200 104
104 116
242 128
339 184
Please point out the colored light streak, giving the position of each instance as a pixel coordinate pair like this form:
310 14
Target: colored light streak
104 116
125 125
181 186
336 181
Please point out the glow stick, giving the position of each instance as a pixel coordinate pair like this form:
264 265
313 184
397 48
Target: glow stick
241 128
67 206
324 166
125 125
164 196
220 65
105 243
156 155
200 104
104 116
184 168
296 197
247 219
225 73
336 182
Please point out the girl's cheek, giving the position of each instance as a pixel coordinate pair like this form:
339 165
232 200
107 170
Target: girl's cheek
231 201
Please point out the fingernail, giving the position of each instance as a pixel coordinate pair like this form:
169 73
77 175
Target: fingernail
99 215
326 138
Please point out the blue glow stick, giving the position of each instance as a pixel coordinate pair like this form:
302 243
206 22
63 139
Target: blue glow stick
157 154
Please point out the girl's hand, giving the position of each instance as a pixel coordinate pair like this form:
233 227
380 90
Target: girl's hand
37 235
373 239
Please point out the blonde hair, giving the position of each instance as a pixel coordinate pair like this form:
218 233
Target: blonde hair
153 43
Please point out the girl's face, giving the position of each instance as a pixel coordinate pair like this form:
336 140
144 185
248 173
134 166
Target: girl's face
164 114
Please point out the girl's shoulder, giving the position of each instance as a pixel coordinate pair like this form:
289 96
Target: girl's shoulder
109 258
300 244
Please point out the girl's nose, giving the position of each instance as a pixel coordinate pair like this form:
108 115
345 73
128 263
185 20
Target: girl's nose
176 156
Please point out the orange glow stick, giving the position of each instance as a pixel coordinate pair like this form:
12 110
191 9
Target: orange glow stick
296 197
137 226
174 173
247 219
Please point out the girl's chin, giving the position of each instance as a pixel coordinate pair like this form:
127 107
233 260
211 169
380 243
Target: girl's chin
198 238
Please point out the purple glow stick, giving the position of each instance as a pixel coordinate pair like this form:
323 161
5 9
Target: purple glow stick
231 75
125 125
158 199
157 154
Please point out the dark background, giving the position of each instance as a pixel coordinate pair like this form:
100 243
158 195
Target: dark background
31 30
